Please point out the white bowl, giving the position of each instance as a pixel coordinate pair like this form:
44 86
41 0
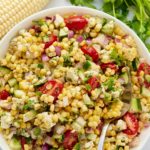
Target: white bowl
144 136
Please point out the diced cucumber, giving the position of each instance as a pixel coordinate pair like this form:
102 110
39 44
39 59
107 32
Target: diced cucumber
107 97
108 27
125 77
63 33
136 105
76 126
19 93
29 115
145 92
87 100
118 147
92 137
147 77
58 137
40 82
15 144
4 70
62 119
77 146
12 82
35 133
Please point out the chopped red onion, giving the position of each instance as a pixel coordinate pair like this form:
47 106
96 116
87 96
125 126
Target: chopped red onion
80 38
58 50
48 18
45 147
53 18
135 142
89 130
88 41
117 40
28 54
147 125
70 34
121 80
125 36
45 57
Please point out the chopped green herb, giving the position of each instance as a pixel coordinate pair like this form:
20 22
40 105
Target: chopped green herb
38 93
70 48
86 65
87 3
67 61
88 57
40 66
39 22
28 106
88 87
37 131
77 146
110 83
85 35
115 56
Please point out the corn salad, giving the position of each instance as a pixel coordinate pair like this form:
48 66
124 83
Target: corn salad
63 77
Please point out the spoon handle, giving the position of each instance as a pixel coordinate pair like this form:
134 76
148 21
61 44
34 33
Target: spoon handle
103 135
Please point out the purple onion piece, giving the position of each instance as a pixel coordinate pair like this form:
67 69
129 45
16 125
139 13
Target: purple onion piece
117 40
70 34
53 18
45 57
80 38
88 41
58 50
48 18
45 147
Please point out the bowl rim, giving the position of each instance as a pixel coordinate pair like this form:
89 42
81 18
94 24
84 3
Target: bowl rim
79 10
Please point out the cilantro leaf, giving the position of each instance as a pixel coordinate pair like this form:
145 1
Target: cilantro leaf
115 56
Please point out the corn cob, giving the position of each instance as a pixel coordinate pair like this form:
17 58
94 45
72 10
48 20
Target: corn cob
13 11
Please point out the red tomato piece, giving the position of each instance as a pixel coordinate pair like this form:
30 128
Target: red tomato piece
76 22
147 84
110 65
4 95
91 51
52 39
144 67
70 139
93 82
52 87
132 124
23 142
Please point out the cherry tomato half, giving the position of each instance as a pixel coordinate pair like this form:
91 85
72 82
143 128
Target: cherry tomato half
52 87
132 124
70 139
76 22
23 142
110 65
4 95
93 82
91 51
144 67
52 39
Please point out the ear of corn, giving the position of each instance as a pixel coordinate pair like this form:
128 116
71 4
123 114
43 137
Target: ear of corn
13 11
